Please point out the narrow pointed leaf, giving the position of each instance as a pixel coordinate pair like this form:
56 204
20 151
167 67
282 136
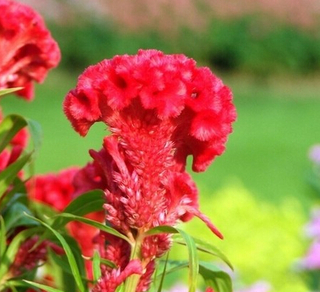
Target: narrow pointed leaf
69 254
96 271
41 286
193 260
36 134
12 249
9 127
161 229
8 175
163 273
107 229
9 90
87 203
2 238
205 247
174 266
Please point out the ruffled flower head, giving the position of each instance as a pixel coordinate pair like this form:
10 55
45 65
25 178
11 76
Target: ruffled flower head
27 50
159 109
151 97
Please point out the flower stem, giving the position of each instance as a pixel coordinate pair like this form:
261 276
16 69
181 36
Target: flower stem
133 281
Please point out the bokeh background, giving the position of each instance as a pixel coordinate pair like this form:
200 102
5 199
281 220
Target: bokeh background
268 53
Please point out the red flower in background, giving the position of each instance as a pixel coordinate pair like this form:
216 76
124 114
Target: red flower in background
27 50
30 255
57 191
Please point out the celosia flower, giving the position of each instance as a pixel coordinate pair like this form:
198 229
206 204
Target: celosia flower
159 109
27 50
155 96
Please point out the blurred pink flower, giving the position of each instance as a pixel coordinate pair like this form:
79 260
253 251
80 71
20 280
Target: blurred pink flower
260 286
312 260
312 229
27 50
314 154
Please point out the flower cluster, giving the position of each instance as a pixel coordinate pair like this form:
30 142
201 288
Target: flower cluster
159 109
27 50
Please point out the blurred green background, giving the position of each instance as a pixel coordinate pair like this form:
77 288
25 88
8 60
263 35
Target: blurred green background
268 54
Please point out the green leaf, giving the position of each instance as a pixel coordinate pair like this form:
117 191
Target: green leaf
174 266
96 266
107 229
15 216
69 253
87 203
205 247
41 286
108 263
193 260
8 175
9 90
13 247
163 273
36 134
161 229
9 127
214 277
2 238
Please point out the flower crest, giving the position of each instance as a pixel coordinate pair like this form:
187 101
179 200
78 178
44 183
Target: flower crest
149 91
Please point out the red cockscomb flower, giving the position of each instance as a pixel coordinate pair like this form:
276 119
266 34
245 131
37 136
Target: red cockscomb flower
159 109
151 94
27 50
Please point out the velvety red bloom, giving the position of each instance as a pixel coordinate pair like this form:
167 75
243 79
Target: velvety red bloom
27 50
159 109
150 91
55 190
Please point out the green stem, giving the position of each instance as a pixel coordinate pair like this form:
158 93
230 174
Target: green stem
133 281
